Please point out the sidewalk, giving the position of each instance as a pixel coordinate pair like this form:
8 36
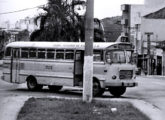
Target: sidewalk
153 76
11 106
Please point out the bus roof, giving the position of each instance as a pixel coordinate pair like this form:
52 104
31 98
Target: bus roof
62 45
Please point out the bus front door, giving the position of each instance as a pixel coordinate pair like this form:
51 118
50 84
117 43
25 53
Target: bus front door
15 66
78 68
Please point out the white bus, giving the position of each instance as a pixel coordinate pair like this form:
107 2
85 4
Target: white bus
58 64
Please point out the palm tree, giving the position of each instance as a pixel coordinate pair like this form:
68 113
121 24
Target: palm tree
59 22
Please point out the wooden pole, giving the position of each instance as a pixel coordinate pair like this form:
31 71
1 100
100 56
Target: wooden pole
88 58
148 52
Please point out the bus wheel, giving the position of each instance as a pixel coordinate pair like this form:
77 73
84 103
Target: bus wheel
54 88
32 84
117 91
97 90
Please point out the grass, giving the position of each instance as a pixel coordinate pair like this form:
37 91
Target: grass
60 109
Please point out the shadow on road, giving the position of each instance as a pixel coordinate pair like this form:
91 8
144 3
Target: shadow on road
63 92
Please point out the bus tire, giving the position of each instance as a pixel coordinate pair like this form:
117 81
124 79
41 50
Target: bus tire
117 91
54 88
32 84
97 90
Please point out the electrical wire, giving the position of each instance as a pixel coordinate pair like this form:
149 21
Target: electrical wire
20 10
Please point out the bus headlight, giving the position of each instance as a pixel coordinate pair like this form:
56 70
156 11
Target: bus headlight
114 77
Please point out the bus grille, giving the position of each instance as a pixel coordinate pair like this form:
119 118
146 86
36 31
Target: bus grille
126 74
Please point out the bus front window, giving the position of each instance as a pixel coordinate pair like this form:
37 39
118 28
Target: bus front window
129 56
115 57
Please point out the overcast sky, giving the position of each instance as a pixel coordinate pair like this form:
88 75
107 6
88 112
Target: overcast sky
103 8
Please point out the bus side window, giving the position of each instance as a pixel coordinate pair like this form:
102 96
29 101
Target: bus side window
32 53
98 55
41 53
24 52
50 53
69 54
8 52
59 54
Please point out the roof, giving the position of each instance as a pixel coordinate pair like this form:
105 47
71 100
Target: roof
63 45
160 14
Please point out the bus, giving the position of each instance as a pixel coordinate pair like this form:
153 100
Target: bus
58 64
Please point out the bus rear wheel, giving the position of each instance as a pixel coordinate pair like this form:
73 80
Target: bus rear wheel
97 90
32 84
117 91
54 88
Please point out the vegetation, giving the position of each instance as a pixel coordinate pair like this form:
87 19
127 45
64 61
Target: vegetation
22 35
61 22
60 109
4 36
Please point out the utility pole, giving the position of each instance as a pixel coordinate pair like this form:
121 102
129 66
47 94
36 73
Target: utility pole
88 58
148 52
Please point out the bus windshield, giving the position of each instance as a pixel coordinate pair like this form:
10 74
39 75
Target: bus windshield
119 56
129 56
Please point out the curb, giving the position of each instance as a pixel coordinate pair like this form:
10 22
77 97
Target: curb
153 76
11 106
15 103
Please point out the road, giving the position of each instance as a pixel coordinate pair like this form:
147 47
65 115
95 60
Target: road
150 89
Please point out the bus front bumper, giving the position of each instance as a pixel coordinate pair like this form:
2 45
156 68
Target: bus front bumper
122 84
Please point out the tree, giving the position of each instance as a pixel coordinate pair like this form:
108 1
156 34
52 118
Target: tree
4 36
22 35
61 22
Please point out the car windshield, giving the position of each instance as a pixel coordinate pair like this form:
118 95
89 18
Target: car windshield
117 56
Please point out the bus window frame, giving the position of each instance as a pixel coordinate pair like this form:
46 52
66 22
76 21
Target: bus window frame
101 55
26 50
13 54
110 61
50 51
41 50
58 51
10 53
34 50
67 51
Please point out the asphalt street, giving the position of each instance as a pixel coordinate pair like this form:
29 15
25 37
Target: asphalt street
150 90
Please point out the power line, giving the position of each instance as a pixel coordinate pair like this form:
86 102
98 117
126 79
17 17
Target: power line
20 10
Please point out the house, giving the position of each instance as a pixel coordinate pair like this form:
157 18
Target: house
144 25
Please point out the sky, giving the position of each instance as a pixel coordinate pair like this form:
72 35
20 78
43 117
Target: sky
103 8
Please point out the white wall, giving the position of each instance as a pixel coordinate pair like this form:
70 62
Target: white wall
157 26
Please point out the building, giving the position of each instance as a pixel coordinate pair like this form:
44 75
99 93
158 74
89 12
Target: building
27 24
144 26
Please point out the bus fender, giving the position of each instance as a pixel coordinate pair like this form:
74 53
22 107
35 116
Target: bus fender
102 83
